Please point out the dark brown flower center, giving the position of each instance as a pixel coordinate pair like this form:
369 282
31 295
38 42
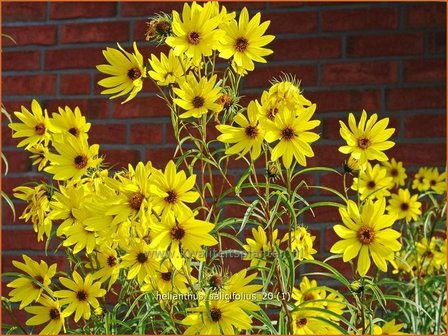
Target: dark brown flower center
371 184
40 129
225 100
134 73
271 113
404 206
251 131
177 233
142 257
194 38
288 133
163 27
366 235
302 322
198 102
363 142
38 279
166 276
433 182
421 179
81 295
136 200
80 161
55 314
308 297
172 197
241 44
111 261
394 172
215 314
215 281
74 131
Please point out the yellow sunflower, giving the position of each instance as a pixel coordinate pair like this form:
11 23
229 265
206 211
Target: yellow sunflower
293 131
182 233
140 260
238 288
35 126
392 328
25 289
301 243
436 181
70 121
126 72
245 41
196 34
367 140
39 155
372 182
166 279
74 158
421 182
172 189
308 292
258 249
366 233
80 295
304 322
47 311
395 170
248 137
405 206
197 97
166 70
108 265
285 93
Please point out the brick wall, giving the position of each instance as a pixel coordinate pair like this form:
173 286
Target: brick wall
387 58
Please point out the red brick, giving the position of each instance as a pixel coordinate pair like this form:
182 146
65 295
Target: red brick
29 85
359 19
74 58
19 316
20 60
359 73
238 6
426 15
90 108
326 156
336 182
305 48
432 154
416 98
261 76
116 31
140 107
146 134
107 134
120 158
281 22
8 215
9 183
385 45
425 70
27 241
30 35
426 126
71 10
321 214
7 139
148 9
332 101
286 4
437 42
159 156
17 161
23 11
73 84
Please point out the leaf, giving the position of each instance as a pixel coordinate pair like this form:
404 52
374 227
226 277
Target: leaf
11 205
337 274
247 215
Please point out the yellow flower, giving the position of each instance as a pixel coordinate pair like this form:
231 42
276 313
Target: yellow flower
108 265
25 290
436 181
301 243
351 165
35 126
392 328
395 170
294 135
367 140
80 295
166 70
79 234
304 322
372 182
196 34
307 292
404 206
421 182
216 318
166 280
237 288
197 97
248 137
366 233
126 72
245 41
39 156
172 189
258 249
48 311
431 255
140 259
74 158
70 121
182 233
